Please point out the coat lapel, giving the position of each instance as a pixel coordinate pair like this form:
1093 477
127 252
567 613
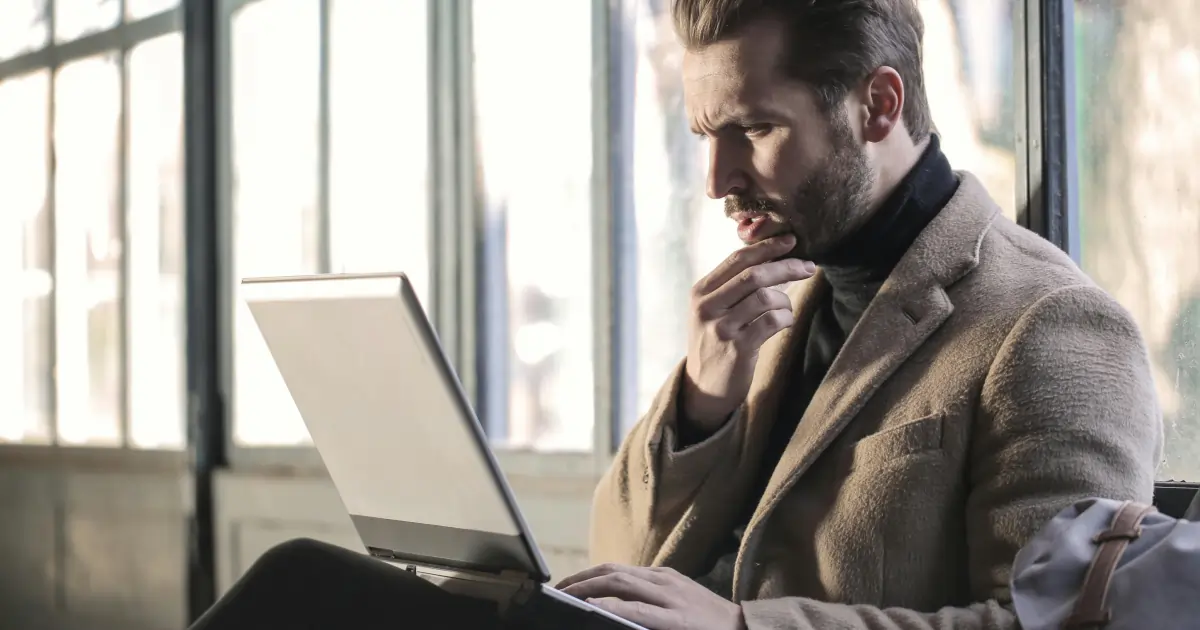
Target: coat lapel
909 307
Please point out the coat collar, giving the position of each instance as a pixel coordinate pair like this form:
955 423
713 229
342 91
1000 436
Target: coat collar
910 306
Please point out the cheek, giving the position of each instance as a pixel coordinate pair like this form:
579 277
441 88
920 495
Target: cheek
783 161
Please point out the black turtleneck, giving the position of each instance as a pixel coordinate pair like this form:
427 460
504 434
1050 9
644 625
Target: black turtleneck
855 270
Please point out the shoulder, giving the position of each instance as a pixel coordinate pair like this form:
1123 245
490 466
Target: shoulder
1024 278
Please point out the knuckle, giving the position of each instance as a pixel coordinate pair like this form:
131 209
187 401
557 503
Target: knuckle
705 310
744 344
765 296
754 276
779 318
725 331
622 579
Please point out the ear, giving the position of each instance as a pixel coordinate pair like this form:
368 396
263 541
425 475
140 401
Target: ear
883 99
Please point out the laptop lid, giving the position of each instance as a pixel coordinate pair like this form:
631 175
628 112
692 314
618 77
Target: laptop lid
390 420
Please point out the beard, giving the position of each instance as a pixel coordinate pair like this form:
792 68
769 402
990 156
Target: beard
829 205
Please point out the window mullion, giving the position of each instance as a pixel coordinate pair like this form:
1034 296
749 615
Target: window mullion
324 221
124 406
52 213
455 229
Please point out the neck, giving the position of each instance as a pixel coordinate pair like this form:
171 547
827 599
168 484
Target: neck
895 167
926 184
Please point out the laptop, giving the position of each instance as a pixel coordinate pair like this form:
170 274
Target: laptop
401 442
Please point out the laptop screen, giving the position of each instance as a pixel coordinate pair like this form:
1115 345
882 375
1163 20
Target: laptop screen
388 418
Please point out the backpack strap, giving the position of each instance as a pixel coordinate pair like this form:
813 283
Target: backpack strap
1090 607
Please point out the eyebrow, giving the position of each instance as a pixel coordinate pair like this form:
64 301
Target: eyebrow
743 118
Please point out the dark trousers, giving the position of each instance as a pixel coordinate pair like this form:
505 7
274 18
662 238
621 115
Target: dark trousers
308 585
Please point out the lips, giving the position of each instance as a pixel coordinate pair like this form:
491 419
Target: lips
754 226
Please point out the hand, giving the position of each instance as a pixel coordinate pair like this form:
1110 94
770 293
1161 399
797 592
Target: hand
657 598
734 312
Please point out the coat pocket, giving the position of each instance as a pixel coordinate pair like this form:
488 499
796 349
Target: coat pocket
909 438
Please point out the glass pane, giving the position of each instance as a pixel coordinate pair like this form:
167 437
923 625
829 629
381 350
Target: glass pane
537 212
275 61
88 250
378 191
969 81
135 9
24 26
76 18
682 234
1138 65
155 248
26 365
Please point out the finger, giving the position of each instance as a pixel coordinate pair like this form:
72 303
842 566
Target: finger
629 587
766 326
641 613
762 276
750 309
758 253
605 569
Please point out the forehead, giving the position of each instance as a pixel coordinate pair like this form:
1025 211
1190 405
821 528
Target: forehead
730 77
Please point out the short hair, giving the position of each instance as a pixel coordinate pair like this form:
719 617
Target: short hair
832 45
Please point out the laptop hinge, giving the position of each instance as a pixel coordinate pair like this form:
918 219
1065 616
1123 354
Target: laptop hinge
509 587
411 564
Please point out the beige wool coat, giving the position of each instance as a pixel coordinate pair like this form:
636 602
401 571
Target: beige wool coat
988 385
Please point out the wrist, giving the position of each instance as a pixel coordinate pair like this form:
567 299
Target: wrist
698 416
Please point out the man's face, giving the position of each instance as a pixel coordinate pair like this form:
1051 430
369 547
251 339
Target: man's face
779 162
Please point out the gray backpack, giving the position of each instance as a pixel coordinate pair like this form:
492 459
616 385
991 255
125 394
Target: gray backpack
1111 565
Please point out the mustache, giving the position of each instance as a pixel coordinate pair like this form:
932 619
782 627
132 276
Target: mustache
739 203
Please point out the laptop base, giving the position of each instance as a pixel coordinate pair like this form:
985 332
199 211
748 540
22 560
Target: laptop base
519 600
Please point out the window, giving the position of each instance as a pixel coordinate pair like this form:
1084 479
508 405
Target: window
154 217
329 165
88 252
682 235
26 319
378 139
275 51
968 57
141 8
534 130
94 244
1138 65
76 18
24 26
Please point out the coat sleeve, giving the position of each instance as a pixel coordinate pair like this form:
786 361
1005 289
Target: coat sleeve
651 483
1068 410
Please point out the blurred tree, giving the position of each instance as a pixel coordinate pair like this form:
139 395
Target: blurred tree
1139 68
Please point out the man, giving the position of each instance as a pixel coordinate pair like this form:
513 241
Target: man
869 449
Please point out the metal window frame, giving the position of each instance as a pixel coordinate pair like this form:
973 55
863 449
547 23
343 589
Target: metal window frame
1047 172
206 293
119 40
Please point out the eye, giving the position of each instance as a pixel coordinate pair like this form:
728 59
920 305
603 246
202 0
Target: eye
757 130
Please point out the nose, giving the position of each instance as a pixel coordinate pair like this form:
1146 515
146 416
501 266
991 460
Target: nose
726 176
